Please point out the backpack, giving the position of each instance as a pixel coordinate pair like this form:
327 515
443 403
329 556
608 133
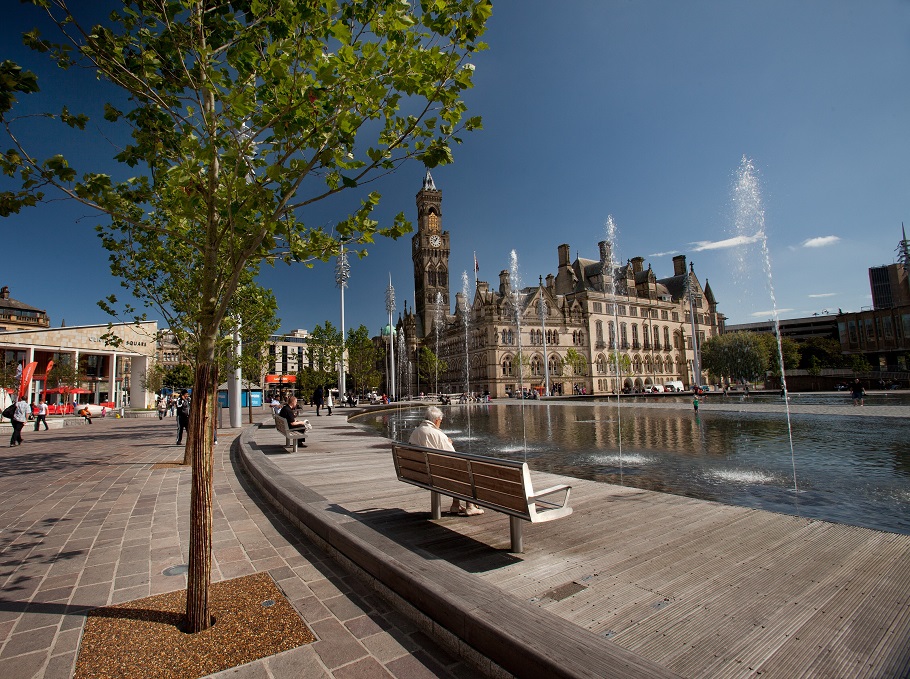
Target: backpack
185 407
9 411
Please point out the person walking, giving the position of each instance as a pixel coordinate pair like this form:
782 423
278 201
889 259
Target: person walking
41 415
328 400
20 417
429 435
858 393
183 414
319 399
162 407
695 403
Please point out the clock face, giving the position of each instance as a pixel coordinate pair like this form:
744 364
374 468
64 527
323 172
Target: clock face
435 241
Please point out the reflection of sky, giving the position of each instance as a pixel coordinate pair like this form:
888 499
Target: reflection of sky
847 473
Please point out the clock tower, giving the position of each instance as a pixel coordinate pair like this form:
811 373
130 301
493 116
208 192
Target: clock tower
430 252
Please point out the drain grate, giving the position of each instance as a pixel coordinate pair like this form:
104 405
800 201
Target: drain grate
563 591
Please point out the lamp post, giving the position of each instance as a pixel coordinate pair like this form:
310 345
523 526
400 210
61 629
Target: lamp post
390 308
342 274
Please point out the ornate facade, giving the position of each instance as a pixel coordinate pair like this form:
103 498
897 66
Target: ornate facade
569 330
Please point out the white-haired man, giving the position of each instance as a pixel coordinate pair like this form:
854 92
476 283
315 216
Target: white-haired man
429 435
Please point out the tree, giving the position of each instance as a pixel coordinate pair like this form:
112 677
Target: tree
859 364
577 362
789 349
827 351
736 355
362 358
324 347
242 116
178 376
429 366
153 378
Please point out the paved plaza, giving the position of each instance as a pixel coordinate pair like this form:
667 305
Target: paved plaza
85 521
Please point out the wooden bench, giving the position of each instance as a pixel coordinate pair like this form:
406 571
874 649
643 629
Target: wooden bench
292 436
501 485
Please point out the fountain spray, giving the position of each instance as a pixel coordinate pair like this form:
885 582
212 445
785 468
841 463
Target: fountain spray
749 221
611 271
465 308
515 282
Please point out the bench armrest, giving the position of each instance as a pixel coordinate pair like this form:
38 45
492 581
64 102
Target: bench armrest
552 491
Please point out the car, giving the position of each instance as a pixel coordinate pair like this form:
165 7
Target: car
655 389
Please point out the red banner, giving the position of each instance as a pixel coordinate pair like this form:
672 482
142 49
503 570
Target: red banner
26 378
280 379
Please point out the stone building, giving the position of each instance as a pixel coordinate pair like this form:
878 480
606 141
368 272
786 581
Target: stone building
16 315
566 331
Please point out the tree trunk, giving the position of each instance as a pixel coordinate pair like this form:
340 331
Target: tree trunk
199 450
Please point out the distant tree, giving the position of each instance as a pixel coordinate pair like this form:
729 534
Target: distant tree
825 350
8 380
814 367
308 379
324 347
859 364
153 378
362 358
577 362
429 366
178 376
736 355
789 348
625 363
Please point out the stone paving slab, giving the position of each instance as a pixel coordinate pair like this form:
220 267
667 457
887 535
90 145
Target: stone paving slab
85 521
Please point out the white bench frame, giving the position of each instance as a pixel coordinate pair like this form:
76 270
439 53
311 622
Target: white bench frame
501 485
291 437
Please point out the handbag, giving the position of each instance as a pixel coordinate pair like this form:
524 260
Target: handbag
9 411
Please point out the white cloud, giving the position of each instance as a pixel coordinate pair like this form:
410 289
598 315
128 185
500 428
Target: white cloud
823 294
663 254
736 241
821 241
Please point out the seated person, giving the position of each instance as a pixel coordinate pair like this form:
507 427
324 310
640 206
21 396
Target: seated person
84 412
287 412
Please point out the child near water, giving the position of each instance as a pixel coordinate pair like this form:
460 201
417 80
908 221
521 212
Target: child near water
695 403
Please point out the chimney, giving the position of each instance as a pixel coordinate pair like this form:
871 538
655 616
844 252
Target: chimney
679 265
606 250
504 287
563 255
4 292
638 264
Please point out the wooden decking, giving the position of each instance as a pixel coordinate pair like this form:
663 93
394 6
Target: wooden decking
703 589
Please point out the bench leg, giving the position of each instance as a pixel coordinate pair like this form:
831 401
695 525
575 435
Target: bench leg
435 505
294 443
515 533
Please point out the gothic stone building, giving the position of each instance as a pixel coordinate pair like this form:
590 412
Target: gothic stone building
591 309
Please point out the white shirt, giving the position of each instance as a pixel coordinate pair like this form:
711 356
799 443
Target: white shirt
429 435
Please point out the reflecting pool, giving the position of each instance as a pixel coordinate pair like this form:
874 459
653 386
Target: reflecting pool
848 470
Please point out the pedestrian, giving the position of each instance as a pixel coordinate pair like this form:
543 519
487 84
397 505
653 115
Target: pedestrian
695 402
162 407
182 405
429 435
318 399
328 400
18 420
41 415
858 393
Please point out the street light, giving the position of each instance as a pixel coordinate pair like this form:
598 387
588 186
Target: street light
390 308
342 274
690 294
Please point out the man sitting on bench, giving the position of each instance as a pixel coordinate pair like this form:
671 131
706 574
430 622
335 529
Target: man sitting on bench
429 435
287 412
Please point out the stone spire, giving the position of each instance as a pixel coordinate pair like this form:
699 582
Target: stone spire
428 184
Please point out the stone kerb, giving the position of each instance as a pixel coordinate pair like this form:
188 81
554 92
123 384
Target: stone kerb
462 612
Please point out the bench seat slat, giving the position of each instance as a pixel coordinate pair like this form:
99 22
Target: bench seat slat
406 454
412 465
513 502
447 461
452 485
438 472
506 473
499 485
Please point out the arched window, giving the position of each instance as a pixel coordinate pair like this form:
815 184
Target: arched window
635 335
507 366
612 331
623 335
536 366
669 365
636 364
647 364
599 330
601 364
555 365
656 336
666 337
658 365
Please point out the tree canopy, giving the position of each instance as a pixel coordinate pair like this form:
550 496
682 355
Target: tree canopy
241 116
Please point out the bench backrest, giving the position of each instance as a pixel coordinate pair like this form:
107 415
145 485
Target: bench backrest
504 484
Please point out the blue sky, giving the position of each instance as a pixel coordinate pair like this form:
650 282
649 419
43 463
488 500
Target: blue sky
639 110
